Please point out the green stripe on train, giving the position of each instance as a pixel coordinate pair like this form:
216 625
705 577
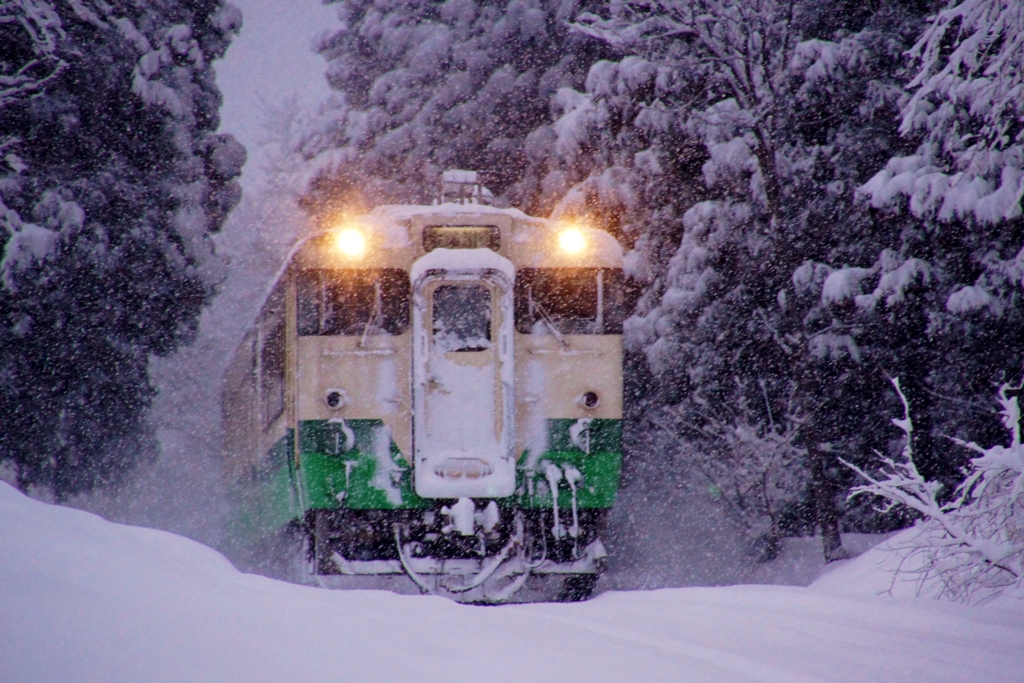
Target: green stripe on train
265 501
601 467
355 465
377 478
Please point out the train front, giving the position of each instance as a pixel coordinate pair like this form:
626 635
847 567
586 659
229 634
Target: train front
453 400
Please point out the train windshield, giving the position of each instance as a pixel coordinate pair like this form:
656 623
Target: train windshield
462 317
569 300
353 302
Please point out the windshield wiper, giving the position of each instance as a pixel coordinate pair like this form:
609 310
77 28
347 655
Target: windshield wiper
536 309
376 315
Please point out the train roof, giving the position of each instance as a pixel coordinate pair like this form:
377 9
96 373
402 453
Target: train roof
406 211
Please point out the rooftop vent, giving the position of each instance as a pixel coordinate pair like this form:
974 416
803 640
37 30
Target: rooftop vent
463 187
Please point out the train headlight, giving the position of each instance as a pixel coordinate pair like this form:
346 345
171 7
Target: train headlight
350 242
572 240
588 400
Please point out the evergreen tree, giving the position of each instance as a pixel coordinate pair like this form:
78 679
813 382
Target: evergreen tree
794 104
425 86
955 189
111 181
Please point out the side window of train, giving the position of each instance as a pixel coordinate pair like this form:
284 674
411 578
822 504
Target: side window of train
272 375
351 301
272 356
572 300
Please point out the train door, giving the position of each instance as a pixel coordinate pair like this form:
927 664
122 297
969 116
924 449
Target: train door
463 410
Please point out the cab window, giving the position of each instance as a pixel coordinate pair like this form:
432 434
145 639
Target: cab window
462 317
271 352
571 300
352 302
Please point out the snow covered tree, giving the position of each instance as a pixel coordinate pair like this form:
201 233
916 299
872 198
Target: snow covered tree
424 86
621 157
955 191
794 104
615 149
967 111
795 269
969 547
111 180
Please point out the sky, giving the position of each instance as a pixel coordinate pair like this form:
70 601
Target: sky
269 62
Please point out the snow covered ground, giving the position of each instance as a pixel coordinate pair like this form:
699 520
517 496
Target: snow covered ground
83 599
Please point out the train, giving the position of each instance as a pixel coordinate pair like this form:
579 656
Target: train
434 392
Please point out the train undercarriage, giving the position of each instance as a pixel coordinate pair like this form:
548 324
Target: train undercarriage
509 555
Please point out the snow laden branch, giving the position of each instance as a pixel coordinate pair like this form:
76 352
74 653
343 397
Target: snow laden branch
740 50
35 27
967 109
28 72
970 548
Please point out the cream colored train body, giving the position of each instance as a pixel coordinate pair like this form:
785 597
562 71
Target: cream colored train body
436 391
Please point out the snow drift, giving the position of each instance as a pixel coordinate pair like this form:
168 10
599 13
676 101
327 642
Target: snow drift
83 599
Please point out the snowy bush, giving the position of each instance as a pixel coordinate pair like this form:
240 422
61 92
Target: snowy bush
971 546
749 461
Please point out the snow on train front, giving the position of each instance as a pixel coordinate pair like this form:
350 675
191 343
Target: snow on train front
435 392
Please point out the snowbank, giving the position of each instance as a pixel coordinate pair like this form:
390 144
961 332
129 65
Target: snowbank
874 573
82 599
